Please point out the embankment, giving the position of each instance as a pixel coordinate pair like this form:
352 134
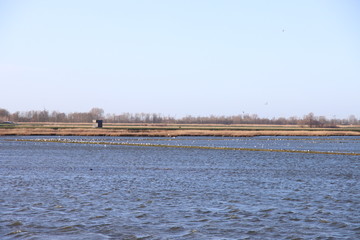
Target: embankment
56 129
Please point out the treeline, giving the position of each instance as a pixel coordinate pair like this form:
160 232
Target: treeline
98 113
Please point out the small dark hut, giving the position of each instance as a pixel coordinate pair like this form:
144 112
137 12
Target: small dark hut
98 123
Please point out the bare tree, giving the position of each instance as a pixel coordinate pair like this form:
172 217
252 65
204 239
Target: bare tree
4 114
353 120
96 113
309 119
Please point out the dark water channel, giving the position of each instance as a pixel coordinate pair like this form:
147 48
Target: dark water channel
55 190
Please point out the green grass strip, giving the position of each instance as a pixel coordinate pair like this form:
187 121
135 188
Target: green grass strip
188 147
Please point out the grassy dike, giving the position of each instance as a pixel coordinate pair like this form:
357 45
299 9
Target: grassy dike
166 130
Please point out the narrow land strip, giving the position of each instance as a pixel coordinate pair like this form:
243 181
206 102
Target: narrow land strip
164 130
181 146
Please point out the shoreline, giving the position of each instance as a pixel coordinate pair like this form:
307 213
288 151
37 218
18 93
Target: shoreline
171 130
171 133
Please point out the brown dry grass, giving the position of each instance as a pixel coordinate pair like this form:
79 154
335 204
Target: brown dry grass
87 131
248 130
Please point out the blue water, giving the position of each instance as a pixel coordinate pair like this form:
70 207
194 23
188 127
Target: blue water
85 191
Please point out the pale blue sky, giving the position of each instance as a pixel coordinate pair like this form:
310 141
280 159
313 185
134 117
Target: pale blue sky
271 58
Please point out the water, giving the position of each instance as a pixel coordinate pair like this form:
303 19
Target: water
85 191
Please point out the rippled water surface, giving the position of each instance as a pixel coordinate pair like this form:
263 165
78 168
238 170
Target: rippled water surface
56 190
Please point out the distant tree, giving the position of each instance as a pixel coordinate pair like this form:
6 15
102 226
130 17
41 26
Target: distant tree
309 119
4 114
96 113
58 117
352 120
322 121
15 117
43 116
293 120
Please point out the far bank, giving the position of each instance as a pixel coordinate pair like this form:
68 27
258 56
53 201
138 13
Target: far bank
172 130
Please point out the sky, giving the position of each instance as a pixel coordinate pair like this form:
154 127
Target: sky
182 57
